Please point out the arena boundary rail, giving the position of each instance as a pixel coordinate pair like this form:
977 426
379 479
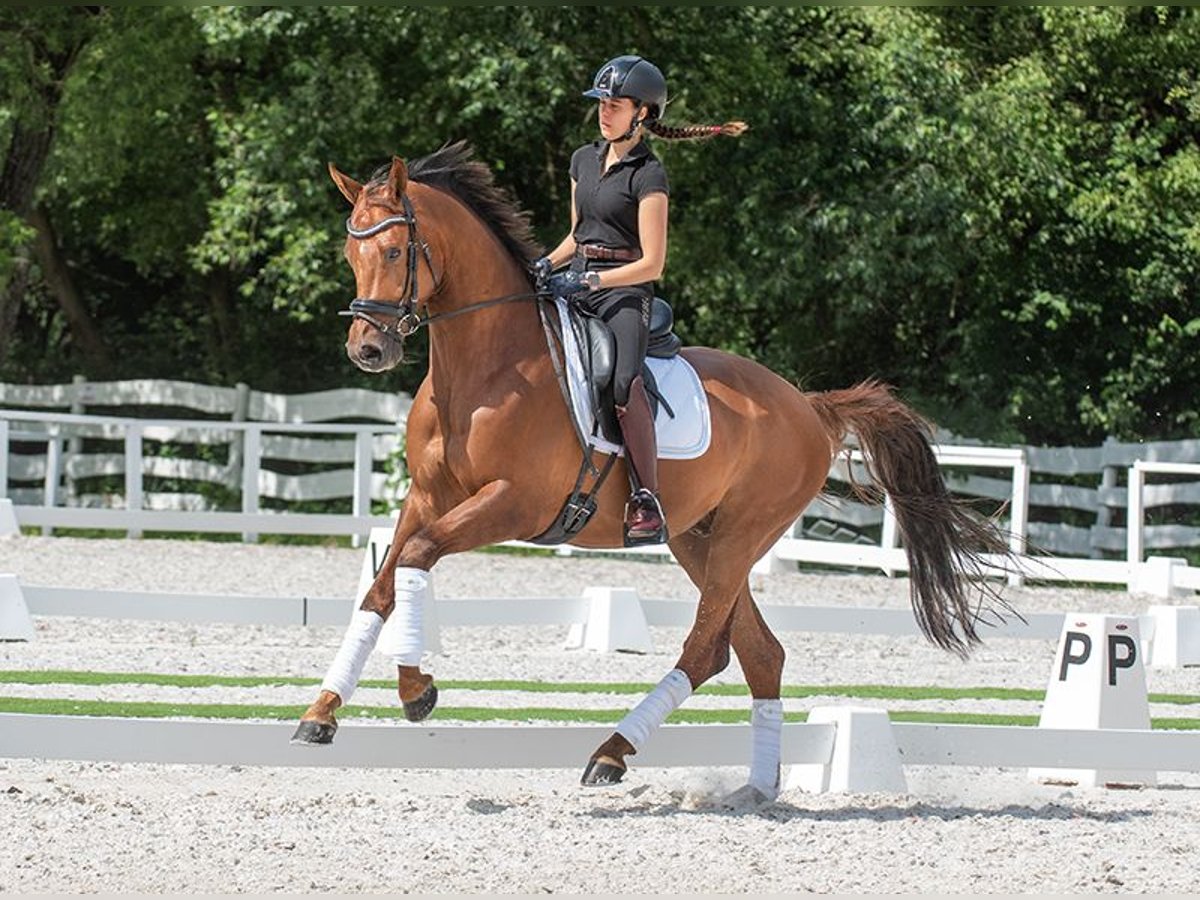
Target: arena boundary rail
817 760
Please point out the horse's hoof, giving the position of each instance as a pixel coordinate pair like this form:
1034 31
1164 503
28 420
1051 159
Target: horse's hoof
314 734
600 774
419 709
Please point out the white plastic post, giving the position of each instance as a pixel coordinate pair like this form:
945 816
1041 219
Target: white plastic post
615 621
15 623
1098 681
251 463
3 457
1156 576
889 536
1133 519
1019 517
363 464
865 756
53 471
8 518
133 472
378 543
1176 636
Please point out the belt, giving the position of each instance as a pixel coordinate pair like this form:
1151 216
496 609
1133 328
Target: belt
622 254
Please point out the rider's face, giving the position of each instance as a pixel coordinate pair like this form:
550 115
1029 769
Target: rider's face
615 115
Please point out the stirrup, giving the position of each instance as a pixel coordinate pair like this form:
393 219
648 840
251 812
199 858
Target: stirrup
643 538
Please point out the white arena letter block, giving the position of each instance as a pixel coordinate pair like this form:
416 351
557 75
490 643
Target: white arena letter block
1098 681
8 517
1174 636
865 756
615 621
15 623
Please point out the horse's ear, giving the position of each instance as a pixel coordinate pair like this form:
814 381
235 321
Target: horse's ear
348 186
398 177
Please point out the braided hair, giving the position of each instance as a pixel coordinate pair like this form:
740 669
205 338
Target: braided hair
694 132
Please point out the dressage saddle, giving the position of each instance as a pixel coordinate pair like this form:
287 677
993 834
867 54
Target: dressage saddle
598 348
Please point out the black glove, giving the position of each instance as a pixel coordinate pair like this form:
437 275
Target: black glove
541 269
569 283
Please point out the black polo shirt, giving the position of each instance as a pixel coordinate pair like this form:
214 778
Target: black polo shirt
607 205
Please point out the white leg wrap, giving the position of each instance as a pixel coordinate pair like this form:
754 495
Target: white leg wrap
766 728
346 668
666 697
403 638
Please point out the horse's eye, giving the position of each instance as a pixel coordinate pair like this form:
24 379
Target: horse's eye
393 252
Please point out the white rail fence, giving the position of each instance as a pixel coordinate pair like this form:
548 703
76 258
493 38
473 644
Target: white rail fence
51 464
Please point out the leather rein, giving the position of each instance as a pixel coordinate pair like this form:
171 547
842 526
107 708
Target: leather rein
408 320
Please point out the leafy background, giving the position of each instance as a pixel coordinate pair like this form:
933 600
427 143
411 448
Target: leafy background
994 209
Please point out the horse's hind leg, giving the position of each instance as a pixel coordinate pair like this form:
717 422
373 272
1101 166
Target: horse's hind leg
706 650
607 764
761 657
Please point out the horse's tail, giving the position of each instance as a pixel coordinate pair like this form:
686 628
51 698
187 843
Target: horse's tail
945 541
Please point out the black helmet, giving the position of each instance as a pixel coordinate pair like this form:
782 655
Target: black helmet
632 77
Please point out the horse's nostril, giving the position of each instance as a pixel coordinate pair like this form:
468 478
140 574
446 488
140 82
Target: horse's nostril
370 353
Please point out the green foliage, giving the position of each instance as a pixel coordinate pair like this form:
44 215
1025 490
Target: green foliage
992 208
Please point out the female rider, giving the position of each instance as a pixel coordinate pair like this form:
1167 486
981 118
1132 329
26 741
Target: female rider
617 248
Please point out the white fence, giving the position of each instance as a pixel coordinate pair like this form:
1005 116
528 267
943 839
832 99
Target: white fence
50 459
45 458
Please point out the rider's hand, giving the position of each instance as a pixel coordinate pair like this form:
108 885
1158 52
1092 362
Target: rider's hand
541 269
570 283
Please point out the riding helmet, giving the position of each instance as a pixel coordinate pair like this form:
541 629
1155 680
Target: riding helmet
632 77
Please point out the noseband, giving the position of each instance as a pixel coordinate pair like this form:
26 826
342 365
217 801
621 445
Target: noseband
408 320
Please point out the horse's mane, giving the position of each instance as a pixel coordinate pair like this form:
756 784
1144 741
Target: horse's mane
454 169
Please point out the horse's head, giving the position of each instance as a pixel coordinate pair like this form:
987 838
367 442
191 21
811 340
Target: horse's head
393 267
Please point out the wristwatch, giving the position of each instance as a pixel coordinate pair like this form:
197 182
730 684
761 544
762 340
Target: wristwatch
592 280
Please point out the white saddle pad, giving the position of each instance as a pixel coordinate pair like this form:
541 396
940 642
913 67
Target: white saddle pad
685 436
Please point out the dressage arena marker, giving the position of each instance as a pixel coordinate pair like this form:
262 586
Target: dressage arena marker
865 757
1175 636
15 623
8 517
615 621
1098 681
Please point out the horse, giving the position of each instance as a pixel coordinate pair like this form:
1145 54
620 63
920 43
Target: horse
491 452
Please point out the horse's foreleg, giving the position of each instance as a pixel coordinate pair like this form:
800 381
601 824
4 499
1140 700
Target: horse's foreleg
318 724
493 514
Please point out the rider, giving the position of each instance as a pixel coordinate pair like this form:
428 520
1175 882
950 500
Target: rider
617 248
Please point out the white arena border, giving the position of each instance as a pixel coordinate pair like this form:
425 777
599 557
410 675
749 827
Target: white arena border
260 610
201 742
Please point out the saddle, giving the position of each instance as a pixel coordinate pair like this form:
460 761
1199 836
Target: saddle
598 348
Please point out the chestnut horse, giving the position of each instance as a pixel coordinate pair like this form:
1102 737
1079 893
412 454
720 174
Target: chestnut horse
492 456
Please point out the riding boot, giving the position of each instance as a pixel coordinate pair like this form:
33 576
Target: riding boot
644 519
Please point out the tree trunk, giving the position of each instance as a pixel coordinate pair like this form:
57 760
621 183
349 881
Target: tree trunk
27 152
222 335
58 279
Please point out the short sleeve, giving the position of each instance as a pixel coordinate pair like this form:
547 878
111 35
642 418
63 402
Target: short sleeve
650 179
576 161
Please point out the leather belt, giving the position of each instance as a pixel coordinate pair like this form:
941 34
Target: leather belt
620 254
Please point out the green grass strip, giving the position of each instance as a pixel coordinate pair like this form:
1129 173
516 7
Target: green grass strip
237 711
867 691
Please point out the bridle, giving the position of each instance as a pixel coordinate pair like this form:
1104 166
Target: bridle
408 320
